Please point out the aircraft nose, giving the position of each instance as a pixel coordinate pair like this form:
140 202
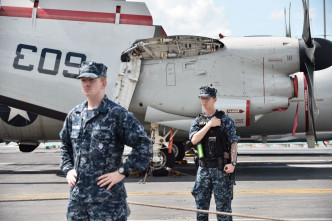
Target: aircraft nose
322 54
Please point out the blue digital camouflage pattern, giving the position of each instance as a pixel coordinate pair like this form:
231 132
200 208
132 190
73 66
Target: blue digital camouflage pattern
210 180
91 69
97 211
206 91
95 147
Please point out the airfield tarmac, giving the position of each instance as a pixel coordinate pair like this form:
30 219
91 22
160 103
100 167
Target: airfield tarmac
288 186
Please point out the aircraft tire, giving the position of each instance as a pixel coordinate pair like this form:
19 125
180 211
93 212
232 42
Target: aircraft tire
179 151
26 148
168 161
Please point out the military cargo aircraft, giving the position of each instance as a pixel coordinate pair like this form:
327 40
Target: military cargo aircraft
155 76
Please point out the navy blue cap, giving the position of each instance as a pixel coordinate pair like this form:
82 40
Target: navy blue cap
206 91
91 69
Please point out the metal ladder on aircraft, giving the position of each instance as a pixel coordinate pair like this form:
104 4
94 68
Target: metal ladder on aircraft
126 81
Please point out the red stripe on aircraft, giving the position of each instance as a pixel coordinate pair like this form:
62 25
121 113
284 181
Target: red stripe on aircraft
136 19
306 103
11 11
248 113
296 86
280 109
295 120
76 15
93 17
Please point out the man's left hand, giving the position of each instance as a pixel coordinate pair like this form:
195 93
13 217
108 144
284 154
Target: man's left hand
229 168
111 179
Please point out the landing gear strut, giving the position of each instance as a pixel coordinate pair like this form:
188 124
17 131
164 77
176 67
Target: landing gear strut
163 160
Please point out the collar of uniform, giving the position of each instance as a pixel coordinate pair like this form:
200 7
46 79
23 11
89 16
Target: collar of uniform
102 107
81 107
211 116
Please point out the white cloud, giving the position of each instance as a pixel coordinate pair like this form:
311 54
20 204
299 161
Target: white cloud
312 14
189 17
276 15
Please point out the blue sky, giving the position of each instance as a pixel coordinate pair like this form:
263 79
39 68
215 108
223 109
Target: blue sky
238 18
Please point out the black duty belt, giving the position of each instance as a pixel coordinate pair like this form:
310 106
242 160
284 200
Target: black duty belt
208 163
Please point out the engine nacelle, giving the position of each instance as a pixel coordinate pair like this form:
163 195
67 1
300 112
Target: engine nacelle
237 109
243 112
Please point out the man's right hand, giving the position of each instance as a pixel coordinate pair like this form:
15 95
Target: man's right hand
71 177
214 122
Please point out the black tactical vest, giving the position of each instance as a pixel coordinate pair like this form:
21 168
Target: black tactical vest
215 142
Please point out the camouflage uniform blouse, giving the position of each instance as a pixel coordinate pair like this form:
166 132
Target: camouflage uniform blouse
94 147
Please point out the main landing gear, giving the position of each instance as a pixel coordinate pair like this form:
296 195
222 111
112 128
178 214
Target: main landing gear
163 158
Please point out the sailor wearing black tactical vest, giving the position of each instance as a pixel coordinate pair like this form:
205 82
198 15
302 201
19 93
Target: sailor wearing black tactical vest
216 132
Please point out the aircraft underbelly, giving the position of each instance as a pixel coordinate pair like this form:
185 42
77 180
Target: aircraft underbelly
29 129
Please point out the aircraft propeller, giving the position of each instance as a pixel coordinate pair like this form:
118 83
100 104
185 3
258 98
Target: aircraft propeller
314 55
288 29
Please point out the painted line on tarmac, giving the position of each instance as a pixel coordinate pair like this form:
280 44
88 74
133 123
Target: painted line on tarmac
310 165
267 192
34 196
283 191
284 161
244 219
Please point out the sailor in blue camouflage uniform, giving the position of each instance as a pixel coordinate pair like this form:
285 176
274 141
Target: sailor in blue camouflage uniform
215 131
93 138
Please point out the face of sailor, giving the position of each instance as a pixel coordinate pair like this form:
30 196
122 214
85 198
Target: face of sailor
208 102
93 87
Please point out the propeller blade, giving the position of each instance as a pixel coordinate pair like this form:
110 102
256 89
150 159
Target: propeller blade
312 102
309 63
306 34
287 33
310 52
289 28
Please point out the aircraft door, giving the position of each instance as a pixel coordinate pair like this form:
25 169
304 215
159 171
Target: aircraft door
170 75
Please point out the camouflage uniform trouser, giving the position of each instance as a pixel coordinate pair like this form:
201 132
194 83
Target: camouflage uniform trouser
208 180
97 211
